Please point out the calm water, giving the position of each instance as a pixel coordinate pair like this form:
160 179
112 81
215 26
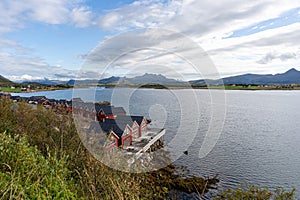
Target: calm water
259 143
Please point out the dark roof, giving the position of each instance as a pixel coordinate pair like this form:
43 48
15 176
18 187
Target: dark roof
117 129
118 110
89 106
77 104
99 106
107 109
95 128
82 105
138 119
125 120
100 127
111 110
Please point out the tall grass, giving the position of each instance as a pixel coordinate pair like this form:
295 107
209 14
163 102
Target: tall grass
42 157
52 132
26 174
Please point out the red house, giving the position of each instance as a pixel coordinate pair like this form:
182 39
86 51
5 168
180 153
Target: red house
118 134
108 112
138 124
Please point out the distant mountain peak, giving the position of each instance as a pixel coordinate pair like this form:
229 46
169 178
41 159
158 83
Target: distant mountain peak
292 70
151 75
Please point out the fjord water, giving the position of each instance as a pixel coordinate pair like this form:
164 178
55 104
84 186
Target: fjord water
259 144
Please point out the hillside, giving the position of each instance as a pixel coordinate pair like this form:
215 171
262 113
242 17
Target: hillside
137 80
292 76
4 81
154 79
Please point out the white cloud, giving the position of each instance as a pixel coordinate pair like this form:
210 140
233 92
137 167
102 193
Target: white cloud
48 11
16 14
152 50
81 17
109 20
24 77
194 17
140 14
18 67
15 59
210 23
241 55
274 55
206 22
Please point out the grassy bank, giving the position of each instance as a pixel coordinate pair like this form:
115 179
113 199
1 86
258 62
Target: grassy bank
8 89
48 132
42 157
33 88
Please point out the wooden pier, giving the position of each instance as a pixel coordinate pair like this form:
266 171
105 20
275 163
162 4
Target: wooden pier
149 142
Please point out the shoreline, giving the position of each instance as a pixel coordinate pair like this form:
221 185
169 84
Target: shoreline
182 180
165 88
237 87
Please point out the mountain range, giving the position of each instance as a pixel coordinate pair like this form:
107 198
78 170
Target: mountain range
292 76
137 80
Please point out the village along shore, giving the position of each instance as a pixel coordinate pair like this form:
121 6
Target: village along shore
171 177
52 132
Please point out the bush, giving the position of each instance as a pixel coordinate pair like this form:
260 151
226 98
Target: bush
26 174
51 131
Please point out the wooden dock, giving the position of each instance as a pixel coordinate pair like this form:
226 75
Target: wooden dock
149 142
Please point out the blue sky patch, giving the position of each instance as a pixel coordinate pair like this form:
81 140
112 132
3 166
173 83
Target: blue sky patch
288 18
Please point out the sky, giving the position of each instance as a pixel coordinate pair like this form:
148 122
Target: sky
55 39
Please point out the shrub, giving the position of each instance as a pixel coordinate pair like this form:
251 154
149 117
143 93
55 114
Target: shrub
26 174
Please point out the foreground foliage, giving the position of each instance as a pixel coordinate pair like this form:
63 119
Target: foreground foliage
26 174
42 157
53 132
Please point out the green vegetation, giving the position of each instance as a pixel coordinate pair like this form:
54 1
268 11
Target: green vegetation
8 86
42 157
241 87
253 192
26 174
54 133
8 89
4 81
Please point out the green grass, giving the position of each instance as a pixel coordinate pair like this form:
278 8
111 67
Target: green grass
238 87
42 157
26 174
8 89
55 134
